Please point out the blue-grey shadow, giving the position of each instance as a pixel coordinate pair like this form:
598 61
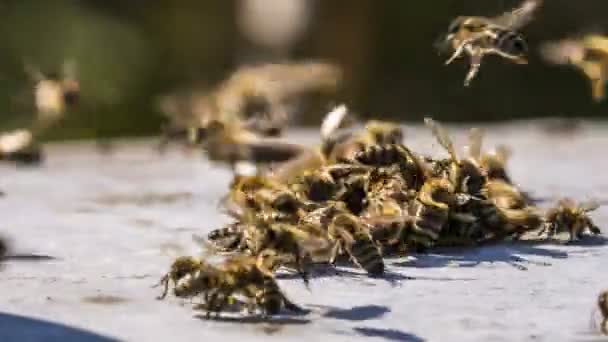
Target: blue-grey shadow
388 334
512 253
358 313
26 329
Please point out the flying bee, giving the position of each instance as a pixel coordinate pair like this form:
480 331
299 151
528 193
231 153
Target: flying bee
568 216
466 174
244 276
352 236
481 36
54 93
589 54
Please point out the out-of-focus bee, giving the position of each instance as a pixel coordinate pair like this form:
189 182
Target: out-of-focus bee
481 36
466 174
229 142
568 216
602 303
495 164
19 146
589 54
505 195
237 276
54 94
352 236
256 97
228 239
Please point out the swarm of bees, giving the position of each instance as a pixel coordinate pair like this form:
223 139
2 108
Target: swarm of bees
358 197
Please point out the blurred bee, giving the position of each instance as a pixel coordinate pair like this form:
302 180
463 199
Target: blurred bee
19 146
589 54
238 276
481 36
351 236
571 217
54 93
228 239
465 174
602 303
256 97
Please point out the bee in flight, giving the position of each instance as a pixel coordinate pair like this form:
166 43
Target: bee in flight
480 36
589 54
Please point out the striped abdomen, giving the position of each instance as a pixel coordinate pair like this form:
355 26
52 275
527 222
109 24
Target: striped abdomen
428 224
367 256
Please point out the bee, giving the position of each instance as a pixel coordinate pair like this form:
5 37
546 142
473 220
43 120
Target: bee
495 164
352 236
602 303
19 146
505 195
229 238
465 174
230 142
54 93
571 217
342 145
481 36
413 170
589 54
180 269
238 276
431 210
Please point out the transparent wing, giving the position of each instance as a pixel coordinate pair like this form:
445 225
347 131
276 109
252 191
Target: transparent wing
518 17
474 145
442 136
589 205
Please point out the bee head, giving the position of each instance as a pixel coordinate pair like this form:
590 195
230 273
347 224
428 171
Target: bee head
514 44
443 43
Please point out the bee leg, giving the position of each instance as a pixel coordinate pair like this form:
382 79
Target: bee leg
164 281
474 69
457 53
335 251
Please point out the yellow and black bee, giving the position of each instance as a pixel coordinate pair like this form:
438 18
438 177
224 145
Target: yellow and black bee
481 36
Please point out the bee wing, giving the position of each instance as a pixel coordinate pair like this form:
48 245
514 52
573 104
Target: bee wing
475 140
442 136
333 120
588 206
519 17
503 153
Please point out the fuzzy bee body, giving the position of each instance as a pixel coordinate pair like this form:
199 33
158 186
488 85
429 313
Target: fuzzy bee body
573 218
353 237
481 36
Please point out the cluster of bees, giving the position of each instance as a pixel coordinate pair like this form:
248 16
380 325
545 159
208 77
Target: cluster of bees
362 194
359 196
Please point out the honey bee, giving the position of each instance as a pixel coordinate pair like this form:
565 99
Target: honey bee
465 174
602 303
481 36
352 236
568 216
19 146
342 145
54 94
229 238
180 269
230 142
589 54
237 276
431 211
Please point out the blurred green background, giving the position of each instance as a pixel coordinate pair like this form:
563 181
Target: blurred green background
128 53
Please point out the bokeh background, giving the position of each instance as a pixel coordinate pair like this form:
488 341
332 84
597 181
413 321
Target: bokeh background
129 53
